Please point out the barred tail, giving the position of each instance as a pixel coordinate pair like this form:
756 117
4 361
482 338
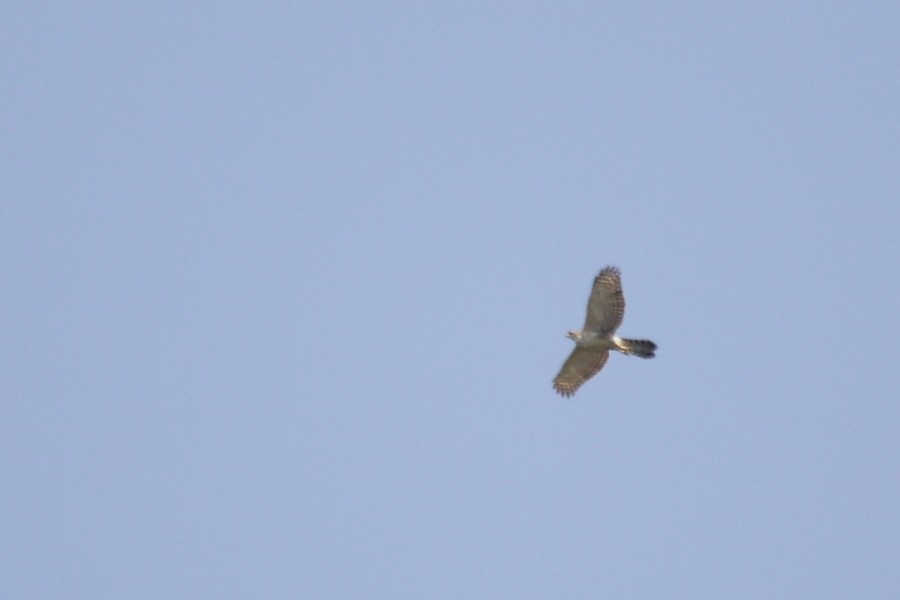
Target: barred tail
642 348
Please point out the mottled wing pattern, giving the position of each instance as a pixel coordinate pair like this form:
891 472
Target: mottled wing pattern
581 365
606 306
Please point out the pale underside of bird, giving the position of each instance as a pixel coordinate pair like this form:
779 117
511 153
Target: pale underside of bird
605 310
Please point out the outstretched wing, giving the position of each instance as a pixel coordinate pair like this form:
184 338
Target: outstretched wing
581 365
606 306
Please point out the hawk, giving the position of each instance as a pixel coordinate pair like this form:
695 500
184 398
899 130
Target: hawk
605 310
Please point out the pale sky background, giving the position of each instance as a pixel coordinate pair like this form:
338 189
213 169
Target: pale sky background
285 284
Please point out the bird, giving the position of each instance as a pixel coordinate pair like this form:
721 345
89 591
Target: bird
605 310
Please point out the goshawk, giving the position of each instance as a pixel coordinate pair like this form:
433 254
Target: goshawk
605 310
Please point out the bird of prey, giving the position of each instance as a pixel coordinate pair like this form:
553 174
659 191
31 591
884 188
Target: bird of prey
605 310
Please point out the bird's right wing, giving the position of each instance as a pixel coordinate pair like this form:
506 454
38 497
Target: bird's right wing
581 365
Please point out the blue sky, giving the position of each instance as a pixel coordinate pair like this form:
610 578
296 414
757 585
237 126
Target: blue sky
285 286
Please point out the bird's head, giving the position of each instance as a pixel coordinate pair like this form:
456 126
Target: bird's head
574 335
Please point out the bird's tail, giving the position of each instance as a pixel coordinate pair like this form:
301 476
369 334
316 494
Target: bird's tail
642 348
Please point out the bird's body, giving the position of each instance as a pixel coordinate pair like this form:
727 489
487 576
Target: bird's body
592 339
605 311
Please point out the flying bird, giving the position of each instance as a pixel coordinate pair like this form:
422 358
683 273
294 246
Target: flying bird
605 310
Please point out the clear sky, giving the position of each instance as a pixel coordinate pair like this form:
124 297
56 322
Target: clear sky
285 284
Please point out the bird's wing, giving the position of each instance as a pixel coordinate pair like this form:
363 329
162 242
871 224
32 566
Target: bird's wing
606 306
581 365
